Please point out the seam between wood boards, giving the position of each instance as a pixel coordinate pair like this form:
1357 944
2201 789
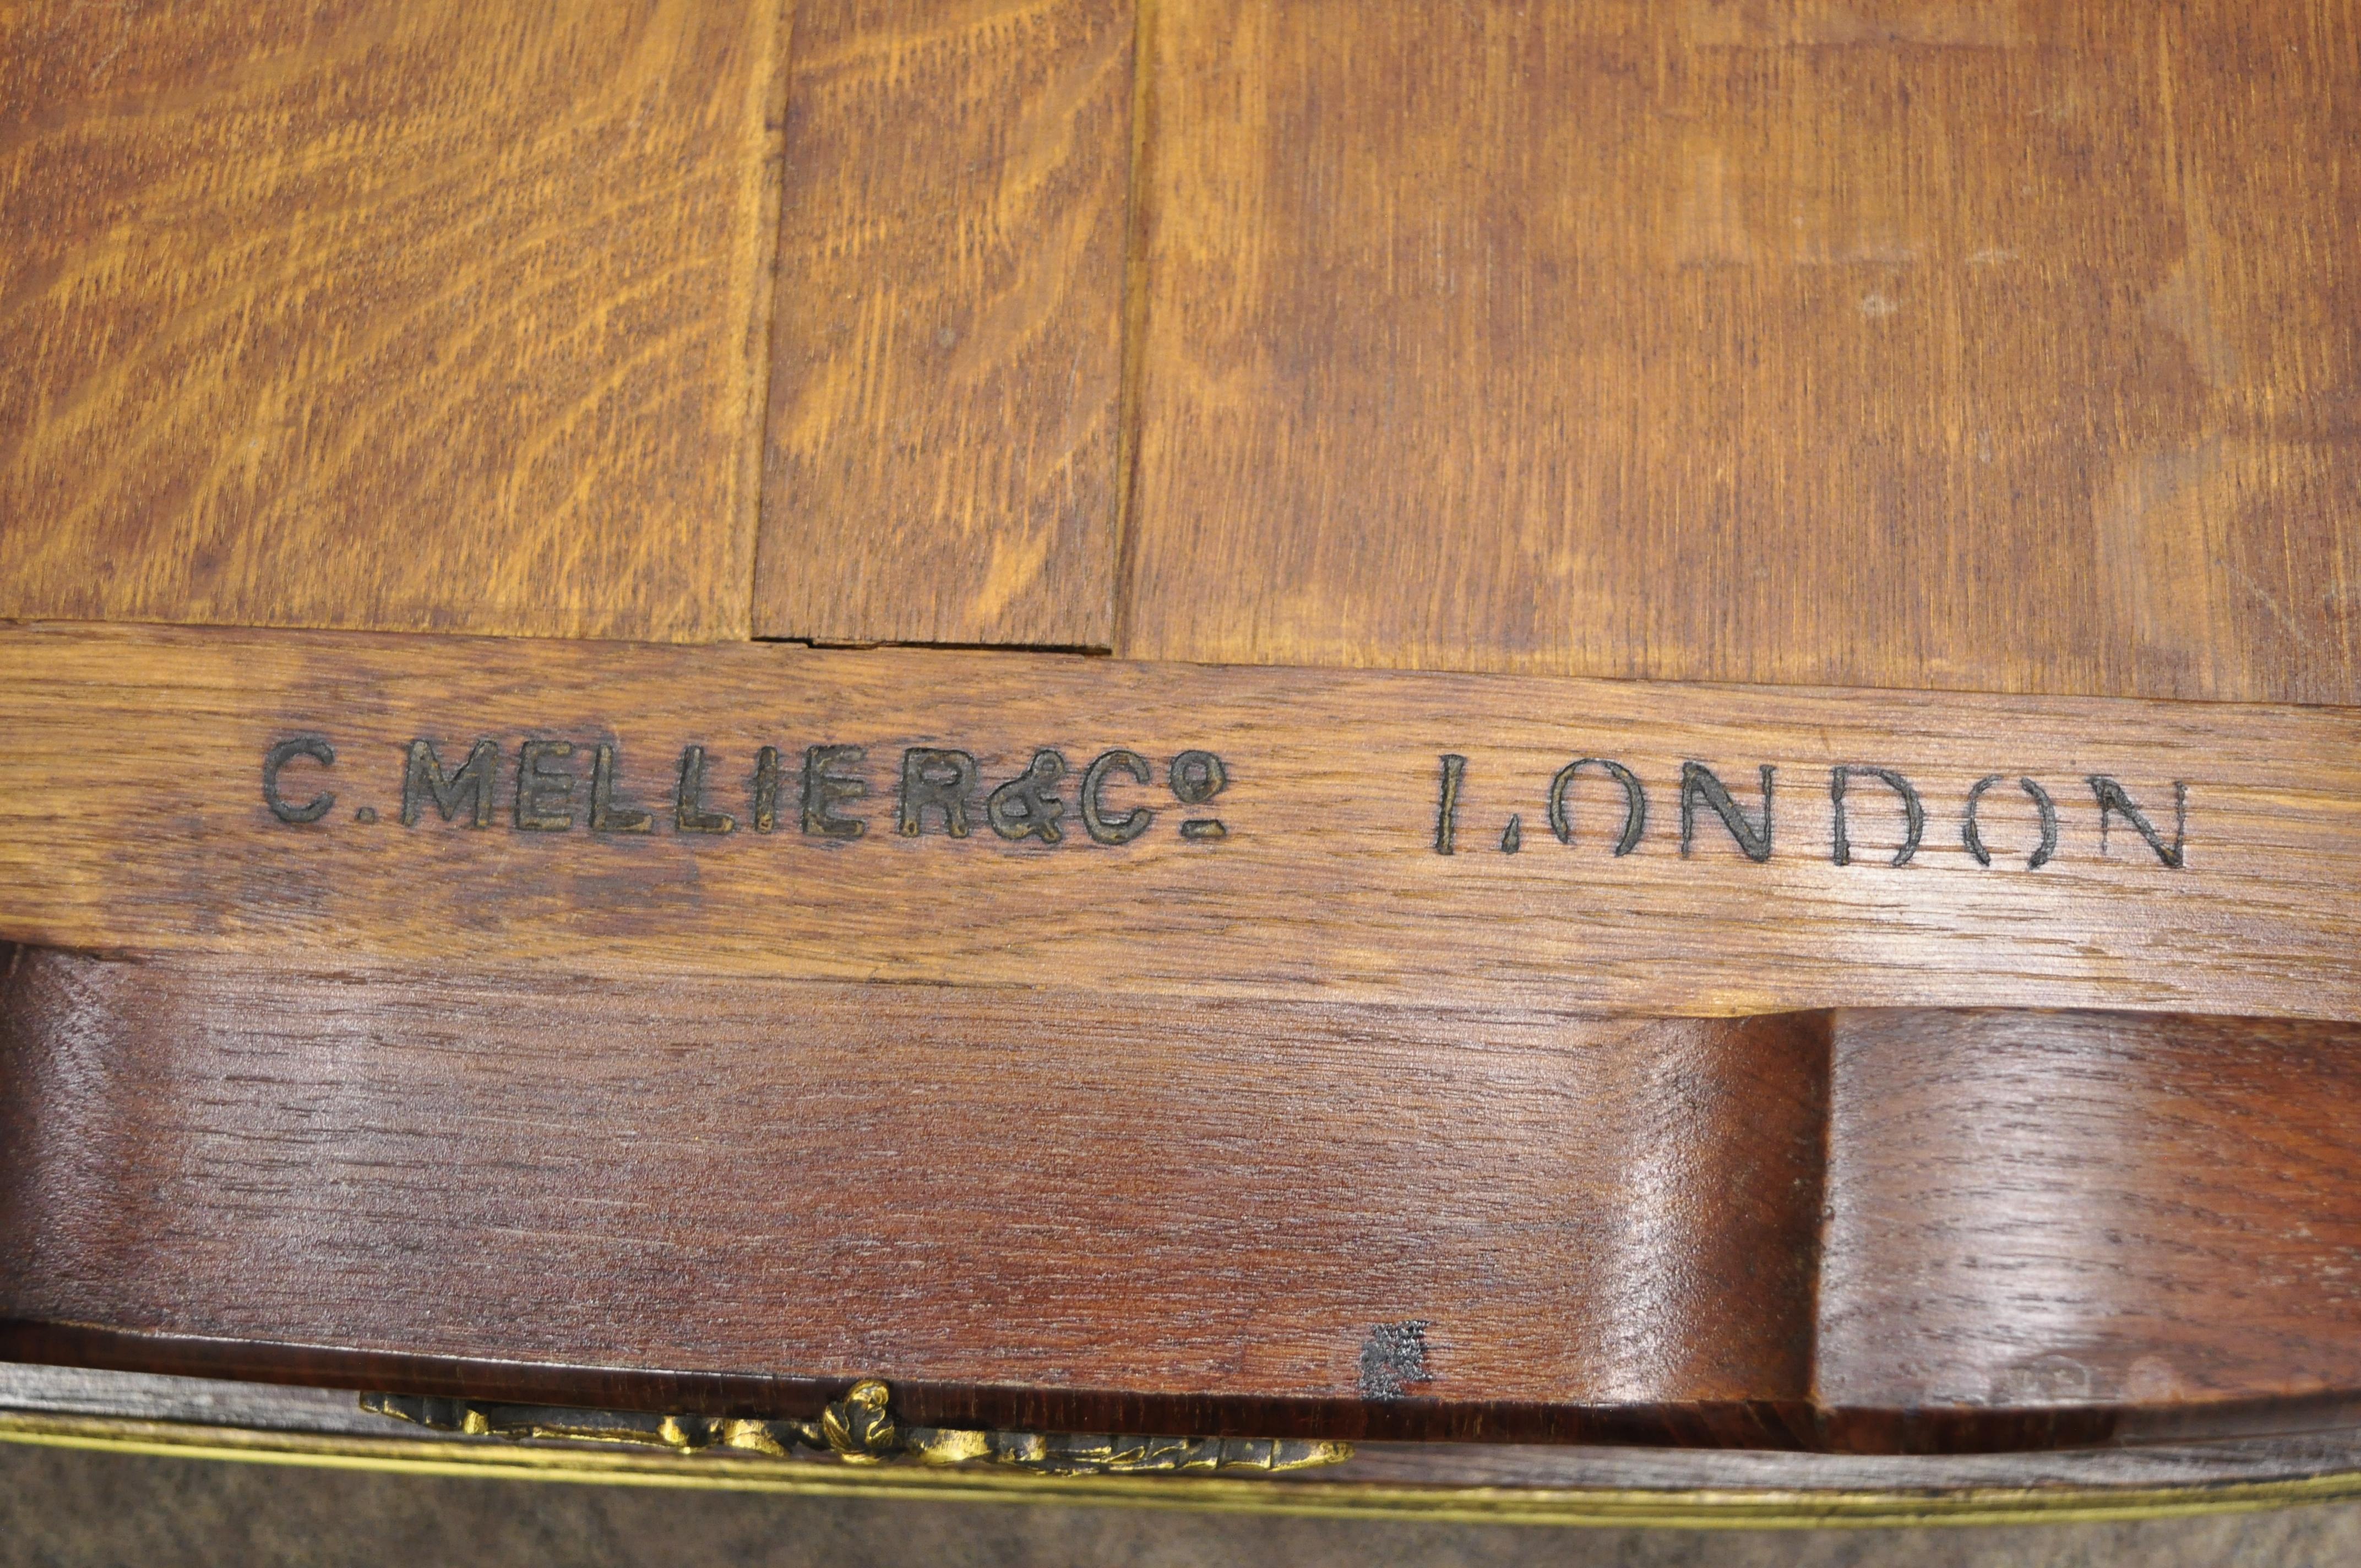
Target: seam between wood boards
1121 590
1085 651
771 218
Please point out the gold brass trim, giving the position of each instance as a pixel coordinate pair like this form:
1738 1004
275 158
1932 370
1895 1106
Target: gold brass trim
1732 1509
860 1429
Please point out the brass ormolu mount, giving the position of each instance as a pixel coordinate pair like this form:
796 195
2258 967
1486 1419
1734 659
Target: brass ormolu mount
860 1429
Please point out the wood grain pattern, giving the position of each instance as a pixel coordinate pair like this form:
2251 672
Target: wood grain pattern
946 385
1972 346
386 313
2068 1209
2040 1229
960 1186
1373 1087
132 819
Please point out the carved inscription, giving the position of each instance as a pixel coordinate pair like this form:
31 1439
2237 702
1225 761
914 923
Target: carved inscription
1118 827
471 784
1699 787
832 792
1973 839
1635 801
539 785
937 781
830 785
1198 777
1028 806
1705 800
1914 810
274 766
608 812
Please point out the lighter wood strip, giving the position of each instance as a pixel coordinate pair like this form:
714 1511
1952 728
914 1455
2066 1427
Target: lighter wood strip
943 440
132 818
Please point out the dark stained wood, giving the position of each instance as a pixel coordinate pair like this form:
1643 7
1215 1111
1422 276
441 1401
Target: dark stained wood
946 385
399 313
132 819
1162 1207
1957 345
733 1195
1758 1426
2083 1211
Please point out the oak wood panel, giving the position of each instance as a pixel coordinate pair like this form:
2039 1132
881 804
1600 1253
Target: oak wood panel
387 313
132 818
946 384
2001 346
1162 1197
2082 1209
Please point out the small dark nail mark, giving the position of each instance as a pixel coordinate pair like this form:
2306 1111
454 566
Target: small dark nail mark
1514 838
1393 1355
366 814
1208 828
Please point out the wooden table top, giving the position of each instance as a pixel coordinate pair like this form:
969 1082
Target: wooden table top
1548 723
